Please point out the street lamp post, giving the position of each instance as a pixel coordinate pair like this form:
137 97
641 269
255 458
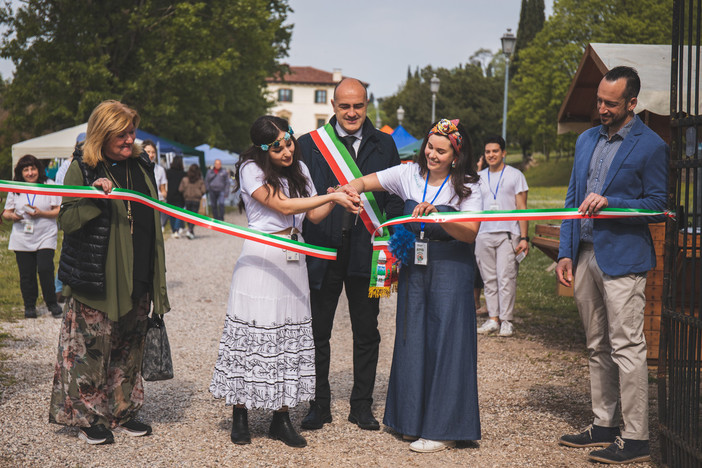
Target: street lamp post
434 88
508 41
400 115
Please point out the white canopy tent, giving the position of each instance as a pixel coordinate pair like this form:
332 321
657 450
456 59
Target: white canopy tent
54 145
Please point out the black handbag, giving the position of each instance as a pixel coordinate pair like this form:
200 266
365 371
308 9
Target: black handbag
156 363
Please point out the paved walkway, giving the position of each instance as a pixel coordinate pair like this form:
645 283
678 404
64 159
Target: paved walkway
530 393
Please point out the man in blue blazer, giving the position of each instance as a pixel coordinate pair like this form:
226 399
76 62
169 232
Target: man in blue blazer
620 164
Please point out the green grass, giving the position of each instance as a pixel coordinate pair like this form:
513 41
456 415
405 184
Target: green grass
10 296
546 317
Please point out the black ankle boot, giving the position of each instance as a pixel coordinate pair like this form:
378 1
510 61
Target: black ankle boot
240 426
282 429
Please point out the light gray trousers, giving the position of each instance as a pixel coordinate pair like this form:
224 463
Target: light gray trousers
612 311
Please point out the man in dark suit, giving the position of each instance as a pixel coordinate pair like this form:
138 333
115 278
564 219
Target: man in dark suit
373 151
620 164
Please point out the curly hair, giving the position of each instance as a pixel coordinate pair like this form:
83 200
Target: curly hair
29 160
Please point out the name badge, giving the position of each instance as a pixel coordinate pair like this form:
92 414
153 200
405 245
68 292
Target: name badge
291 256
420 252
494 206
28 227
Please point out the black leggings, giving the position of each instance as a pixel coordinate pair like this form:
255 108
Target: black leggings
31 263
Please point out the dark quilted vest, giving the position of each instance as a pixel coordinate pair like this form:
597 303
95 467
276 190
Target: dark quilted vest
84 252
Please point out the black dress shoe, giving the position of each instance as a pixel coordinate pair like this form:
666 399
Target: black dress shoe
316 417
30 312
282 429
363 417
240 426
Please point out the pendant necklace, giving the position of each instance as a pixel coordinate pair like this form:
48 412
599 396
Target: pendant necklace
130 218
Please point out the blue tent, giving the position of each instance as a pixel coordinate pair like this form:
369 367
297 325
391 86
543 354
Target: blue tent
402 137
164 145
211 154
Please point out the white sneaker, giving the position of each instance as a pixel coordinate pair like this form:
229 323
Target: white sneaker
429 446
176 235
506 329
190 235
489 326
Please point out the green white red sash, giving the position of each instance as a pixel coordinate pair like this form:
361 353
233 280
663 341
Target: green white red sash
383 269
170 210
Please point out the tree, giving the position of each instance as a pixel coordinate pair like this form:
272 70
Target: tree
466 93
531 21
194 70
547 65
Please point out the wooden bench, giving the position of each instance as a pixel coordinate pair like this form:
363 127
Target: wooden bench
546 239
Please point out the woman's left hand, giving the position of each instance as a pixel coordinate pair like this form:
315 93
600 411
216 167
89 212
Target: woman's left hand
423 209
37 213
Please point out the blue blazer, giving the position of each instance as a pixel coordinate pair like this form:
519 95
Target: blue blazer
637 178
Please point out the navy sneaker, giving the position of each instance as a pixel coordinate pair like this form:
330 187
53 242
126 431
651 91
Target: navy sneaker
623 451
593 436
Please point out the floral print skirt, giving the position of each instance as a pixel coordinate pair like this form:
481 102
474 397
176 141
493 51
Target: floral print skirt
97 377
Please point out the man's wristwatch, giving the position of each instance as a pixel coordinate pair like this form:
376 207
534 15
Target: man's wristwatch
524 238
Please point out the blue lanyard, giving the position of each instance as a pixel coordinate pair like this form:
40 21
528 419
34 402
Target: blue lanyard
426 183
31 203
494 194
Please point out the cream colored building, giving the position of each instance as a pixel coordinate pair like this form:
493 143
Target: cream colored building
303 97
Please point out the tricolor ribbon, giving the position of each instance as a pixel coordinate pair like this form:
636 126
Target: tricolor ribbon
516 215
383 269
170 210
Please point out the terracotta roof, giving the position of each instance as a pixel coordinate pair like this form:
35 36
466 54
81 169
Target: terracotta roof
309 75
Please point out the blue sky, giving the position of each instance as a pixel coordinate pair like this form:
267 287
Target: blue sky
376 40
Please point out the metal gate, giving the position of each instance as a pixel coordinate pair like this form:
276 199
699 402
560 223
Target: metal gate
680 360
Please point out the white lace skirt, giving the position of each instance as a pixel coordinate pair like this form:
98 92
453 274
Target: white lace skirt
266 354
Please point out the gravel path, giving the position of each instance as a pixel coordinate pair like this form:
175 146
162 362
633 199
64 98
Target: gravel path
530 393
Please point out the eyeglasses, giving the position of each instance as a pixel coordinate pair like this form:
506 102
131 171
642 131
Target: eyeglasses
276 143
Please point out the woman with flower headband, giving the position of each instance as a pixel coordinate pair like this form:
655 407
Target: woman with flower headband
432 394
266 354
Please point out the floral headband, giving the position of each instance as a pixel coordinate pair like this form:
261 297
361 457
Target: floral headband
449 129
276 143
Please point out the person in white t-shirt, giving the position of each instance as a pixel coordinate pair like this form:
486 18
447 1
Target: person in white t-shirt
432 393
266 354
501 245
33 236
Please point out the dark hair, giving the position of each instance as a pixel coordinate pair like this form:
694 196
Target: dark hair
177 163
495 139
194 173
633 83
26 161
463 173
264 131
146 143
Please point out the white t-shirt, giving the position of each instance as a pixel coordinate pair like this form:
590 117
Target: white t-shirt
502 192
160 176
262 218
405 181
44 229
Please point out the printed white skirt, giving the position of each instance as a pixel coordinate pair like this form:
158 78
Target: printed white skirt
266 354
